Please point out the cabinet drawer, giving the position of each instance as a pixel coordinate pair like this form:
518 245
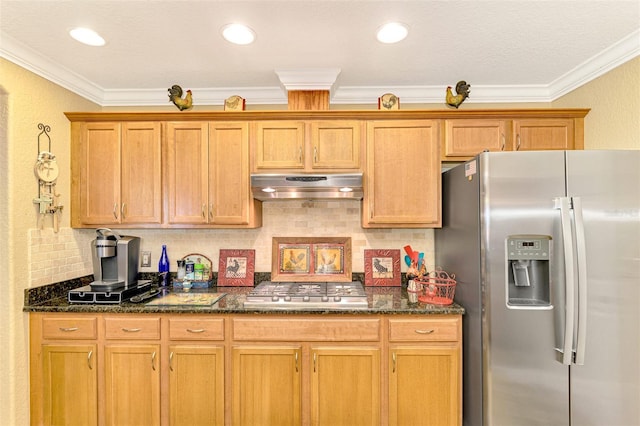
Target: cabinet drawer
427 330
295 329
132 328
196 329
70 328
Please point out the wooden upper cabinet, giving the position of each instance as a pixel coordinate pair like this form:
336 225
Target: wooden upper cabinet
402 187
187 169
541 130
141 162
469 137
544 134
116 174
229 191
279 145
96 174
309 146
208 168
336 144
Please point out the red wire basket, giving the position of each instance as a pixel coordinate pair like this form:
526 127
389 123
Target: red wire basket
437 288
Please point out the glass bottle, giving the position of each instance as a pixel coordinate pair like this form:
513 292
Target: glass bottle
163 267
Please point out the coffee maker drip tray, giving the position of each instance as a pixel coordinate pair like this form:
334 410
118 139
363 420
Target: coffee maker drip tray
89 294
107 285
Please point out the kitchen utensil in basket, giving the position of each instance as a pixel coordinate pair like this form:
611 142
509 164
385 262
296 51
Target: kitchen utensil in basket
437 287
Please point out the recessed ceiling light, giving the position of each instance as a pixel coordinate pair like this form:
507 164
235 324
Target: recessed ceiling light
238 34
87 36
392 32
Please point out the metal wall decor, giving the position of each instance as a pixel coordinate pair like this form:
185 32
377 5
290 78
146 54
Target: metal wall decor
46 170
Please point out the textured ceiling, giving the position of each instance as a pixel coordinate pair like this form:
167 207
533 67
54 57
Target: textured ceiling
510 51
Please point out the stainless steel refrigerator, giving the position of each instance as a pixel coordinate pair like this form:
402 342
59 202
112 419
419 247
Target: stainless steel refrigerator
545 247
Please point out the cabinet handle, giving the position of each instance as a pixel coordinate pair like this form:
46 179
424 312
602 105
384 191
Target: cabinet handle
131 330
518 143
296 355
196 330
204 209
89 359
315 361
211 210
503 142
315 154
300 154
115 210
393 358
68 329
424 331
171 361
153 360
122 210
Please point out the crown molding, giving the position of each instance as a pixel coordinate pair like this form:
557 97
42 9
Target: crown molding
610 58
308 78
22 55
319 79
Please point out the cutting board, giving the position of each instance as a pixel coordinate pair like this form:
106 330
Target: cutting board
187 299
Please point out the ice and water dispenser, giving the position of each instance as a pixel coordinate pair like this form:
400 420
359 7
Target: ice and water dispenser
528 271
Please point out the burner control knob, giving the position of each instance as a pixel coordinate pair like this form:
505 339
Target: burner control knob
325 298
305 298
287 298
337 298
274 298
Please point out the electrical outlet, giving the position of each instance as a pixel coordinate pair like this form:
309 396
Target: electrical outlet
145 261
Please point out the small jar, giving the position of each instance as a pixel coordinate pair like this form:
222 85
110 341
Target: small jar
198 271
189 270
182 269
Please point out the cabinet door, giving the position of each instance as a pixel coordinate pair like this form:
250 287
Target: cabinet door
345 386
141 189
467 138
99 174
335 144
132 384
196 385
229 192
423 386
543 134
403 175
266 386
187 167
70 392
279 145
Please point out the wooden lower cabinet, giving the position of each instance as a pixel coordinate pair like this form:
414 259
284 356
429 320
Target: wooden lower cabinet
132 384
245 369
69 384
196 385
266 385
422 386
345 386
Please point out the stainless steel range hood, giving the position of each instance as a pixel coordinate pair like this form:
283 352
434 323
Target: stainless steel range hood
267 187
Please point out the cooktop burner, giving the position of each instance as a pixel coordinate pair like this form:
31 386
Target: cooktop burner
295 295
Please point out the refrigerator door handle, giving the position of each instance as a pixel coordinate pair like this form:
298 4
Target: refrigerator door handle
567 241
582 281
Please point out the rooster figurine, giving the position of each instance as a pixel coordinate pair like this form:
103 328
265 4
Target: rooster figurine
462 90
175 96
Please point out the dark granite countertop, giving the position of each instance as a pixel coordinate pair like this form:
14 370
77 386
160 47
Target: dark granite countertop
382 300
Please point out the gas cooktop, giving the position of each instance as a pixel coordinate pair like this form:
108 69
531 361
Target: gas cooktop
304 295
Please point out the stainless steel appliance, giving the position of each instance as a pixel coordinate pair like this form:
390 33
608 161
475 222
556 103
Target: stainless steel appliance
546 250
271 187
308 296
115 270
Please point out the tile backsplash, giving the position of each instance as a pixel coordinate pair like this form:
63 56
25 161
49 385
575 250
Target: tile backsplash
55 257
